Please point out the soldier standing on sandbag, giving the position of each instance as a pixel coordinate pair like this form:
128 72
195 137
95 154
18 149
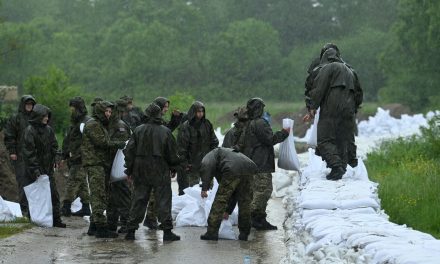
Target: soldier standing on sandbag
175 121
76 183
14 132
233 172
39 152
337 92
195 139
258 146
95 150
119 191
313 71
149 156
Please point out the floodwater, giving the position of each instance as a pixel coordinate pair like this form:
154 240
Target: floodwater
72 245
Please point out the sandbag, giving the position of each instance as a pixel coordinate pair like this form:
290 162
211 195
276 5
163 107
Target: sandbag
226 231
313 140
288 159
117 173
40 201
5 214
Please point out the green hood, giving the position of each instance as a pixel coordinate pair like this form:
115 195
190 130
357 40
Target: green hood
24 99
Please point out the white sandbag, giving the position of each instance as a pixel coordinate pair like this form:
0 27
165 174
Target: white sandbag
193 214
76 205
5 214
226 231
117 173
40 201
15 208
313 140
288 158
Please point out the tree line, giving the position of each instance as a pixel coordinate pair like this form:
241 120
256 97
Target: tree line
221 49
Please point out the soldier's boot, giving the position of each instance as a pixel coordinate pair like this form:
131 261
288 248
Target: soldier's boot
243 237
336 174
151 223
209 236
92 229
112 227
260 223
123 229
130 235
353 163
58 223
168 235
103 232
65 210
85 210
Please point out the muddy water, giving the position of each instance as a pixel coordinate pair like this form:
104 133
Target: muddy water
72 245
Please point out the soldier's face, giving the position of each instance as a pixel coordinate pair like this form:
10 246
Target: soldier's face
28 107
72 109
108 112
129 106
200 113
165 108
45 119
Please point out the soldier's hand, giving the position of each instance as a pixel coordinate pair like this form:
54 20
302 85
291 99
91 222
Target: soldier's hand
188 168
287 130
176 112
61 164
204 194
225 216
173 174
130 179
13 157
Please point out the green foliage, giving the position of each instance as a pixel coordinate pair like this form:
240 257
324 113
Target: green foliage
407 172
181 101
54 91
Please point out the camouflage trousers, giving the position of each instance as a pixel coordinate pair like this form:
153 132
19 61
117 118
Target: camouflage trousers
98 194
23 180
119 201
187 179
227 187
262 190
151 209
76 185
139 200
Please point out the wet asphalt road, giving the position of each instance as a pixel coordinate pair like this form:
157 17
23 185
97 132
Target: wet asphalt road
72 245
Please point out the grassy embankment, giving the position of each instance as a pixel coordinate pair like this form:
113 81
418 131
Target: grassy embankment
408 174
11 228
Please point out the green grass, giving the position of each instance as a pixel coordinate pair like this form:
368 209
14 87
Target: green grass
409 185
11 228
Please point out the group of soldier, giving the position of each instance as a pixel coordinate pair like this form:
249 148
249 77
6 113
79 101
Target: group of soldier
243 166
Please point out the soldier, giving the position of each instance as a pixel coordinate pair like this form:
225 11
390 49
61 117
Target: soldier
14 132
195 139
233 171
338 93
95 150
39 151
133 117
119 191
258 146
176 119
149 156
76 183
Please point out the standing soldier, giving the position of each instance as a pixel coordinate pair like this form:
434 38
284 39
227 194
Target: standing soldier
338 94
258 146
149 156
76 183
119 191
95 149
14 132
133 116
233 171
195 139
40 149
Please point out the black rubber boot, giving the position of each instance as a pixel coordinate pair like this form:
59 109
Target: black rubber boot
103 232
243 237
260 223
168 235
208 236
65 210
151 224
123 229
336 174
58 223
85 210
92 229
130 235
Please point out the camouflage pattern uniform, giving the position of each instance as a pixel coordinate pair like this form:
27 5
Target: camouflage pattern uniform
14 132
119 191
258 146
133 117
195 139
95 150
233 171
149 156
337 92
76 183
39 151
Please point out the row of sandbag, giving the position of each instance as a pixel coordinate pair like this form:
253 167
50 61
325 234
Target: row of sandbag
346 214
